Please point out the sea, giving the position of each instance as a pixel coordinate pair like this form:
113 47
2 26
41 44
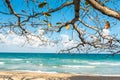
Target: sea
103 64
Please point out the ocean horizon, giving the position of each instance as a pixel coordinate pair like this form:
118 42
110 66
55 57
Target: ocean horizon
103 64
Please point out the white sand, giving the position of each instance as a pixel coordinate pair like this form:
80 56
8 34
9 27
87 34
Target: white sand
5 75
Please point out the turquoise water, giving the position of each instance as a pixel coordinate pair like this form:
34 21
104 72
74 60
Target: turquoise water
61 63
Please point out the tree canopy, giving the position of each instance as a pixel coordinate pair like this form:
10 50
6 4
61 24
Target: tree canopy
90 24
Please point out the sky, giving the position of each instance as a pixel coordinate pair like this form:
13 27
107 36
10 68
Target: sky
14 43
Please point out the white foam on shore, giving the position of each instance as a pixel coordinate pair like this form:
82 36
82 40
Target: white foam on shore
105 63
16 59
104 75
36 71
2 63
78 66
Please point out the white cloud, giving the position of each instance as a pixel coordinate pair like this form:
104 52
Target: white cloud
106 32
41 31
12 39
66 42
33 43
65 38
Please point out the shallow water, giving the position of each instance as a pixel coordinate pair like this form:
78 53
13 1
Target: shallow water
61 63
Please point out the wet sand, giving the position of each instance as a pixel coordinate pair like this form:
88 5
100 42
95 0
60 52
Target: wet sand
20 75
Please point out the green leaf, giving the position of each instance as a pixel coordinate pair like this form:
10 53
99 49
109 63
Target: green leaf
47 14
86 3
58 23
23 11
45 21
41 5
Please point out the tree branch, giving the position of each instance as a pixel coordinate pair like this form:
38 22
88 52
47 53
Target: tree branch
103 9
94 28
65 24
12 11
79 33
50 11
62 6
76 8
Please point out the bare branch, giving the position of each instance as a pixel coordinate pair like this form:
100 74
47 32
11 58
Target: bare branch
12 11
79 33
63 25
105 10
85 24
50 11
76 8
61 7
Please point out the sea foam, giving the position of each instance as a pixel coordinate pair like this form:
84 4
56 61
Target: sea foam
2 63
78 66
105 63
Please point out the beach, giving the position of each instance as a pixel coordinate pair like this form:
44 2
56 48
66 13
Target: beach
15 75
26 66
20 75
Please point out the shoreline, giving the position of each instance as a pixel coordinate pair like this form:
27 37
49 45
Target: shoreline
22 75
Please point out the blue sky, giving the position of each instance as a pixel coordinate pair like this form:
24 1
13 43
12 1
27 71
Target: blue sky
14 43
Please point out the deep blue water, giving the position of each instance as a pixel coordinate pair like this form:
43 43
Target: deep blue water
61 63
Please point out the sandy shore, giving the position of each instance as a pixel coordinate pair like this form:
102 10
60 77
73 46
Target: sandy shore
5 75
